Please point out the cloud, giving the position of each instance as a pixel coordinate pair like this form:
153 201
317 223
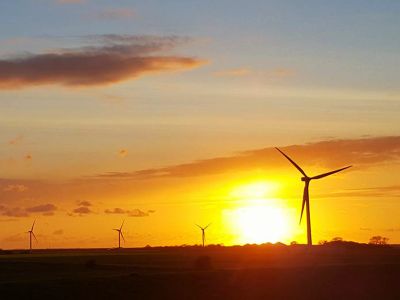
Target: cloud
14 212
327 154
19 188
116 210
83 210
275 73
131 213
16 141
238 72
381 191
44 209
139 213
123 153
84 203
113 14
110 59
70 1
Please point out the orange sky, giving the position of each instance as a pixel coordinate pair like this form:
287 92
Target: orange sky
161 206
166 114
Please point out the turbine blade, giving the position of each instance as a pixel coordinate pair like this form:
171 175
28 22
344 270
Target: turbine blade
305 195
122 224
293 163
330 173
33 225
302 210
34 236
199 226
122 236
207 226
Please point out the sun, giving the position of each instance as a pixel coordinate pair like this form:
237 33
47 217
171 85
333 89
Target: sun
257 218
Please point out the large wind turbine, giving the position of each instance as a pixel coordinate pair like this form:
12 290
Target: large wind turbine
30 236
306 198
119 230
203 232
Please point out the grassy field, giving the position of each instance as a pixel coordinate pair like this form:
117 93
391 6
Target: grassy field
249 272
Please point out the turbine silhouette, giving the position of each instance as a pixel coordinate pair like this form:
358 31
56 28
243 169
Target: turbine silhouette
120 234
30 235
306 198
203 232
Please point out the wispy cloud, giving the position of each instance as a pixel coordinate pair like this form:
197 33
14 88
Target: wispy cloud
70 1
274 73
330 154
111 59
131 213
19 188
44 209
16 141
237 72
115 13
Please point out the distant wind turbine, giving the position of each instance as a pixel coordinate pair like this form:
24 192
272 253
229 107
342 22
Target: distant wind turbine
120 234
30 235
306 198
203 232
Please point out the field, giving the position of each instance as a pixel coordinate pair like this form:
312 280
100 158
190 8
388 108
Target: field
248 272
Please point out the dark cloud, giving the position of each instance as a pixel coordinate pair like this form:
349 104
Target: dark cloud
14 212
113 58
131 213
83 210
329 154
84 203
116 210
139 213
44 208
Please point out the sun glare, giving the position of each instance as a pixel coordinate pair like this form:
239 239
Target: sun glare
258 218
255 190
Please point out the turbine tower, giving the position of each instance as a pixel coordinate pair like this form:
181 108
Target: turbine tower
119 230
30 235
203 232
306 198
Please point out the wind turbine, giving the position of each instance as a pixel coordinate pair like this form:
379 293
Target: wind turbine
306 198
120 234
203 232
30 235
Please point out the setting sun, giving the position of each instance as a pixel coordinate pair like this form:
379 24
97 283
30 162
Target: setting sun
258 217
261 223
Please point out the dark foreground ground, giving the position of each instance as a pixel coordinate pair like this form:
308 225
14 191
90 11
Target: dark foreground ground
252 272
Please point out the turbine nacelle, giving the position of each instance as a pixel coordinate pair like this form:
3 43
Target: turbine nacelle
305 179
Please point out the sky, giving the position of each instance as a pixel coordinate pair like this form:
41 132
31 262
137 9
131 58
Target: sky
165 114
